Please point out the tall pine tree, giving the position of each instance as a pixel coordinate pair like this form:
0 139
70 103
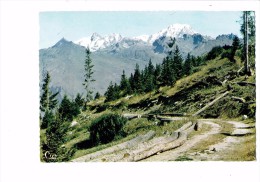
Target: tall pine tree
48 100
137 82
177 63
168 75
88 66
187 67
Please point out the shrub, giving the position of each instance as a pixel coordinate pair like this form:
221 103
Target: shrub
215 52
106 128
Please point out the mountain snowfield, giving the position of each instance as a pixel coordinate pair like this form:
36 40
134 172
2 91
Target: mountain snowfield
97 42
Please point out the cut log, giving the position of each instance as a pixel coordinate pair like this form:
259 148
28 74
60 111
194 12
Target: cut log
117 148
127 155
149 148
162 147
210 104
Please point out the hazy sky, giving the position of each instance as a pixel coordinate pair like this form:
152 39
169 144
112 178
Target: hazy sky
75 25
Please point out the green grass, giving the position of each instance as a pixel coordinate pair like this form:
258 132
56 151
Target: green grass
191 99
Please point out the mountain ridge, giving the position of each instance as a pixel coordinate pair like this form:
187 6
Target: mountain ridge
65 59
97 42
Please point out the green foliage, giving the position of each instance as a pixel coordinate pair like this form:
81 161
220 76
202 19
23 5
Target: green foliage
112 92
97 96
125 85
79 101
215 52
177 63
188 65
52 148
88 76
47 118
107 128
168 76
137 80
48 100
235 46
68 109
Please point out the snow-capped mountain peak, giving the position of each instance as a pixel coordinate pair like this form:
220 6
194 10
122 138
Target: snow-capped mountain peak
95 36
97 42
175 30
142 38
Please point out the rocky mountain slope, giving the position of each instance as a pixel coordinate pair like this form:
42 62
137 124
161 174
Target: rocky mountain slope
112 54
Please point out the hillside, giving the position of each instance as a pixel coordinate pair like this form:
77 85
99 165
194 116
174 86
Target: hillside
167 121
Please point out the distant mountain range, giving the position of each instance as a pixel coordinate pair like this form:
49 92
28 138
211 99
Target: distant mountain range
114 53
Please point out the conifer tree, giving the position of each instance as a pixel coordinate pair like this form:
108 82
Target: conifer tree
168 76
131 82
177 63
157 74
125 85
137 84
150 68
124 81
235 46
110 94
88 66
79 101
97 96
187 67
68 109
48 100
55 137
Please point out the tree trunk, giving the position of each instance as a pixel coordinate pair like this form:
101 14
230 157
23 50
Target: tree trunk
210 104
246 41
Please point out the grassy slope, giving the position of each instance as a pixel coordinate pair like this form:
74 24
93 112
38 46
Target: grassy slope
188 95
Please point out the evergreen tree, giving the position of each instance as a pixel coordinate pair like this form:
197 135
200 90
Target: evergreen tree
79 101
149 84
88 76
235 46
157 74
150 68
168 76
124 82
68 109
187 67
97 96
48 100
137 84
131 82
177 63
149 77
47 118
55 137
110 94
116 91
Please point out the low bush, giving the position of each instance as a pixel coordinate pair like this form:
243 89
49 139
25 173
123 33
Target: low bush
107 128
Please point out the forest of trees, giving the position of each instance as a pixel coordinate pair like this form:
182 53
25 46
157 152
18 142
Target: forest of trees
172 68
55 118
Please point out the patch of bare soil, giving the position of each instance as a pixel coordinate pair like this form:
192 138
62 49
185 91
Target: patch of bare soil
216 152
174 154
